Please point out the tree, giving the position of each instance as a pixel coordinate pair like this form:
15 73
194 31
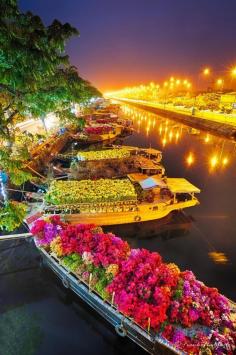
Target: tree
35 78
30 54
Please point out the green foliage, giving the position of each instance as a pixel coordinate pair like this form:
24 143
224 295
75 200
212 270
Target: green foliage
12 215
14 168
72 261
35 74
179 290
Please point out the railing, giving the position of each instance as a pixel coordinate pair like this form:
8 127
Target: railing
116 206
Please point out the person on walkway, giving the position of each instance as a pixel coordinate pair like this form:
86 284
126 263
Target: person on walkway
3 184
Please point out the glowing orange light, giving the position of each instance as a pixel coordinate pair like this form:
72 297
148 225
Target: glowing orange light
213 161
190 159
219 81
170 135
206 71
233 72
177 136
164 141
160 129
207 138
225 161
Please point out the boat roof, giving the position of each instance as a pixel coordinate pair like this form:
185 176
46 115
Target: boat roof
151 151
136 177
181 185
146 163
151 182
127 147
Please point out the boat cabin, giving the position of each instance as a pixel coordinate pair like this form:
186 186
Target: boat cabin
182 189
164 189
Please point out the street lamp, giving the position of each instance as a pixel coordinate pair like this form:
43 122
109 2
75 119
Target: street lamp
233 72
206 71
220 83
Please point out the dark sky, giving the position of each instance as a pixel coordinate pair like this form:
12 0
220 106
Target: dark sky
128 42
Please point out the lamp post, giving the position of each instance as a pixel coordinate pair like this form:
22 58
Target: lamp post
205 72
220 83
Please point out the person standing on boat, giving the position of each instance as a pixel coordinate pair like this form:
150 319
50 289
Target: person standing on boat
3 184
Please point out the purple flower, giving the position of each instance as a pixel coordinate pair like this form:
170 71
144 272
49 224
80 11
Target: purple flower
178 337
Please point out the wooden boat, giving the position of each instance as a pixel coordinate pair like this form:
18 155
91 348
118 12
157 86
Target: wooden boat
114 161
46 152
124 326
118 130
174 194
151 342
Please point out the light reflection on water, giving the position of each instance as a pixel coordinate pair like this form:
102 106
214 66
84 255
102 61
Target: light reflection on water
204 243
209 247
216 153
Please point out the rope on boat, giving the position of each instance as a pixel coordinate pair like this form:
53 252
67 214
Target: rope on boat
23 191
15 236
34 171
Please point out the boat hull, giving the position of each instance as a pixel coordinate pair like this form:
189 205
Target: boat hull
124 326
145 212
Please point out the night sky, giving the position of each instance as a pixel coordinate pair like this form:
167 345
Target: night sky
128 42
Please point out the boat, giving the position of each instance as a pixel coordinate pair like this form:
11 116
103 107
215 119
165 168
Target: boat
76 254
103 126
138 198
46 152
111 161
124 326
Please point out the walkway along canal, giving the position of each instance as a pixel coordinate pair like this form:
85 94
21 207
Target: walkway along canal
218 128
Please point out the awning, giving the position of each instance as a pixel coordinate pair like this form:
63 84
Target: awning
137 177
152 151
181 185
151 182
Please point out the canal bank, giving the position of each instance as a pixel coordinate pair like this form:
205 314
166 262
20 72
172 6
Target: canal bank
220 129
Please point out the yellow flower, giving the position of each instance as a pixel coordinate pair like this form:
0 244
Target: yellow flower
112 269
56 246
174 268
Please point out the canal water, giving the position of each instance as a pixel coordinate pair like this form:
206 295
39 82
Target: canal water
39 317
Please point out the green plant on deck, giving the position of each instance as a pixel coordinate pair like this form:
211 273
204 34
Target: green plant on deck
75 261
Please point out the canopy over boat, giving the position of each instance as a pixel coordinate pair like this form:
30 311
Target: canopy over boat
151 182
152 151
137 177
181 185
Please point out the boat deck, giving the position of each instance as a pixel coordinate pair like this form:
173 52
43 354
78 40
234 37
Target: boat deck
124 326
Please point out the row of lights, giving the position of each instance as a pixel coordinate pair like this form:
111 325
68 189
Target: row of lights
172 83
214 160
220 81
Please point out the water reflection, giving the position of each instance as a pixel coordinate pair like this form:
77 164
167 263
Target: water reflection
216 153
208 247
205 244
175 225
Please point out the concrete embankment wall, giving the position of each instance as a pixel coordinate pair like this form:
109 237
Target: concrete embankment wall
216 128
